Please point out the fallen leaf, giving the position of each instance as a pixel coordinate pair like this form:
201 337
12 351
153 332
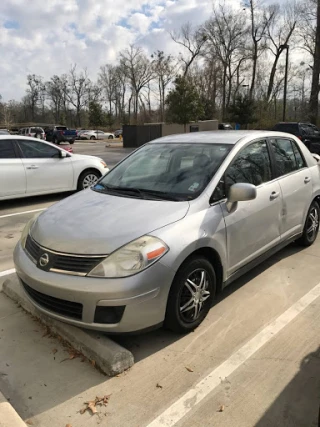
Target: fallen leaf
221 409
93 362
92 406
31 423
159 385
189 369
54 350
68 425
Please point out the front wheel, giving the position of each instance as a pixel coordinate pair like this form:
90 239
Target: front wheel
92 137
191 295
110 137
71 142
311 227
87 179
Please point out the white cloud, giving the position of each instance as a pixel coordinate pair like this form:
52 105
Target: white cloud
45 37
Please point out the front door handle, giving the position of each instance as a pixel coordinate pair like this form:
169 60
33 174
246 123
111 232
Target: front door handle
32 167
274 195
307 179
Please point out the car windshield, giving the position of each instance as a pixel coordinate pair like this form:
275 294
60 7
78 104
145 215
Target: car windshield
165 171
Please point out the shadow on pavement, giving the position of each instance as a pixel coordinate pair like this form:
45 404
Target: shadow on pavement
298 404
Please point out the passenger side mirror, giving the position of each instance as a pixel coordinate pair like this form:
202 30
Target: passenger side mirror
240 192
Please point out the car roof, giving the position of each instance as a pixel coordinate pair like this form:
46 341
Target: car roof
216 137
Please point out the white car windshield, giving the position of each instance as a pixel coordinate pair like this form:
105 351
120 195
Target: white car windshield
165 171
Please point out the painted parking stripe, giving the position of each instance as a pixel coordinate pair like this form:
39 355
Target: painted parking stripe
196 394
22 213
7 272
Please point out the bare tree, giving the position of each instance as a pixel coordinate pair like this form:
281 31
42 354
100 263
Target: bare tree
279 32
260 20
139 71
34 91
108 82
78 90
193 41
165 70
227 35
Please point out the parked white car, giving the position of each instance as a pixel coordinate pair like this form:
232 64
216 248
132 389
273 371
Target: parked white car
30 167
96 134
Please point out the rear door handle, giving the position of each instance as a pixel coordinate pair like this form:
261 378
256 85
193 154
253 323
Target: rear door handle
307 179
274 195
32 167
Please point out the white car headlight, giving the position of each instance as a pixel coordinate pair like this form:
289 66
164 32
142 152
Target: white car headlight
26 230
132 258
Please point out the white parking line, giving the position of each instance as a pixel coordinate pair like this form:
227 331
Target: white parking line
196 394
22 213
7 272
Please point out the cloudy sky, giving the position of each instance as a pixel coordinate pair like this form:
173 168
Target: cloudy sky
45 37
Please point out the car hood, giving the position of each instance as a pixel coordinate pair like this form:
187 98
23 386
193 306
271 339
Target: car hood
96 223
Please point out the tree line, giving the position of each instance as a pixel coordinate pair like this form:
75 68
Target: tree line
233 64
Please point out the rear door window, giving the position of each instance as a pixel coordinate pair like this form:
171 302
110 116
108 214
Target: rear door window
287 156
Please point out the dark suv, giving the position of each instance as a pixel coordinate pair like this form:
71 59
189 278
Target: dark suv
307 132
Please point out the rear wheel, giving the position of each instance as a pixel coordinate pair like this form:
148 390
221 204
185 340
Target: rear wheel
87 179
92 137
311 227
191 295
71 142
110 137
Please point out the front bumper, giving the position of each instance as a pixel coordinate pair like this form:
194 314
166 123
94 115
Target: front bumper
143 296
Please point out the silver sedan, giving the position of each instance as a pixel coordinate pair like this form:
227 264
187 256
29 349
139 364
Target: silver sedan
162 233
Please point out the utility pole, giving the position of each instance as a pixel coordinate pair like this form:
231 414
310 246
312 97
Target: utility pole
285 46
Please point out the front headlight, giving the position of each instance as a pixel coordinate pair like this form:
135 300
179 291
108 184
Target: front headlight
132 258
26 230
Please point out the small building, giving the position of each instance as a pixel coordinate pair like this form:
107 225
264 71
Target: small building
137 135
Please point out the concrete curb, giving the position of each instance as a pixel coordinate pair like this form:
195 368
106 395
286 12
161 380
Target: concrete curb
109 356
8 415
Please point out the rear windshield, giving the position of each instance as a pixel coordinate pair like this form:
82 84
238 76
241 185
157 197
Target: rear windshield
288 127
61 127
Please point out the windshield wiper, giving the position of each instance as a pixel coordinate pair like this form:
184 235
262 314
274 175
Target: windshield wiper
160 195
120 190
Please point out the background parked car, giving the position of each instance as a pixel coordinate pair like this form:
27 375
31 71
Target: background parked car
33 132
4 132
96 134
304 131
32 167
58 134
118 133
225 126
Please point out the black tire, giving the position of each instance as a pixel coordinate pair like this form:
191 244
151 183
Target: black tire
92 137
54 140
311 226
180 295
71 142
110 137
83 180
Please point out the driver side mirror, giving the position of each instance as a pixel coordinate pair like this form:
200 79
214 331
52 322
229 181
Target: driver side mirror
63 154
240 192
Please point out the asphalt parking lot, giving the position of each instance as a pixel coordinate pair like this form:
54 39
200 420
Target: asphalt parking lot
255 360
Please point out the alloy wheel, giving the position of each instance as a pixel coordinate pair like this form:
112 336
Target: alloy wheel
312 224
194 295
89 180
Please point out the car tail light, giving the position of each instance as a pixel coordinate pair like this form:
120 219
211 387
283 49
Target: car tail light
61 132
300 137
29 134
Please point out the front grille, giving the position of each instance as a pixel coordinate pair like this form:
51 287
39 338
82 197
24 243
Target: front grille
33 248
73 264
56 305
